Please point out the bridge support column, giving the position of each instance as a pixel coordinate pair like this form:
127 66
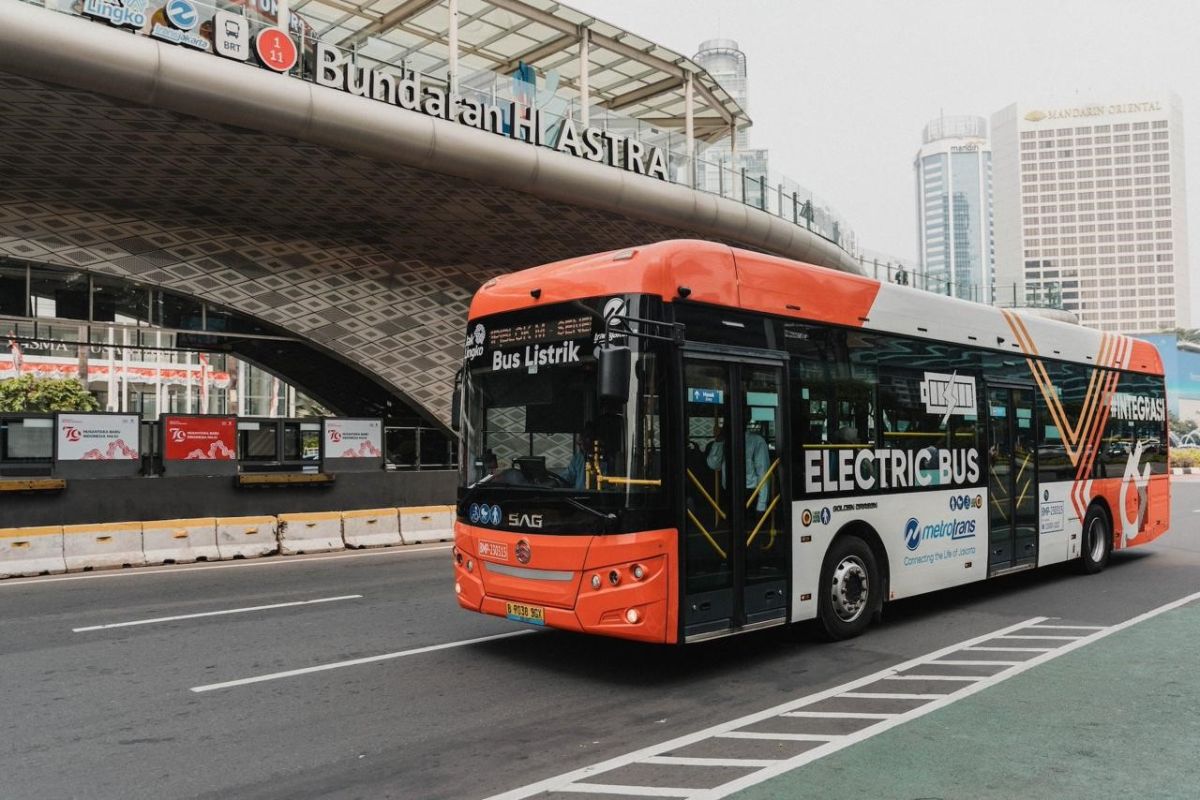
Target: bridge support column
585 101
453 47
689 130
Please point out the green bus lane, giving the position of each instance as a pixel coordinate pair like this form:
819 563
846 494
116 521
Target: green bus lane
1117 718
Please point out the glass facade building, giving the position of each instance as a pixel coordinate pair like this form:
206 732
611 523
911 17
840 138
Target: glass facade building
1090 196
954 207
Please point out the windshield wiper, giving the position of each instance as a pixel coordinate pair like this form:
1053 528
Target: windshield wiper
608 517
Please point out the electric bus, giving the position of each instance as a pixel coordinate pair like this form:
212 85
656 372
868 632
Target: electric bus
684 440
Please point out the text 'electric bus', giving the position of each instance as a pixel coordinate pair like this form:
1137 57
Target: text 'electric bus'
684 440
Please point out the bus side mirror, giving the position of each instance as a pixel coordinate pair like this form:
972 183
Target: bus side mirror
456 403
614 373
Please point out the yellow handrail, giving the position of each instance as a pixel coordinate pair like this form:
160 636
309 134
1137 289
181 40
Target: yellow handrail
705 494
629 481
766 476
765 515
707 535
1024 464
1024 491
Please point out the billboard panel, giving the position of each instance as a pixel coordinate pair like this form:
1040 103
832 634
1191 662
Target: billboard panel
353 438
199 438
97 437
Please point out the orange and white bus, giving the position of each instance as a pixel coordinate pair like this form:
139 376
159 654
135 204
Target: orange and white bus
684 440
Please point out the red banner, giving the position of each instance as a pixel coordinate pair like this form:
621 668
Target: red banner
199 438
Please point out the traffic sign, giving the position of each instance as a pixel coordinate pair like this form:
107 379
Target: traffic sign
275 49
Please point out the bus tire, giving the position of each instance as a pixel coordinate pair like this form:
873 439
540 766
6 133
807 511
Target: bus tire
848 589
1097 541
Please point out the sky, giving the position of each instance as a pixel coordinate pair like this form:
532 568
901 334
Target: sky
841 89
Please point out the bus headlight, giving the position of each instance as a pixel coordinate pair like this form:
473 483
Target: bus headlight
632 616
638 571
595 581
470 565
614 577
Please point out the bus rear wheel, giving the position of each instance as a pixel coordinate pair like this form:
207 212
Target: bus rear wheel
849 589
1097 541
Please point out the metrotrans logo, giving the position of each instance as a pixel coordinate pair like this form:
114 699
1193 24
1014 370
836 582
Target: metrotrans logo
952 529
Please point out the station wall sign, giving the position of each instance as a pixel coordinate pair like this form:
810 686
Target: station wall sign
199 438
228 34
514 120
353 438
97 437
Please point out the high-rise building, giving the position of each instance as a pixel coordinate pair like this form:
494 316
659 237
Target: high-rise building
954 207
724 161
1090 204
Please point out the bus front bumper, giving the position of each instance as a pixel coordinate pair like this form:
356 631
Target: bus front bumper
619 585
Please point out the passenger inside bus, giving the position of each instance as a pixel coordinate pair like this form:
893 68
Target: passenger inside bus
758 460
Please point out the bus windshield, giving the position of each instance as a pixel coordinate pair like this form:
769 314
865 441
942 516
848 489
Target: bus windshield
533 418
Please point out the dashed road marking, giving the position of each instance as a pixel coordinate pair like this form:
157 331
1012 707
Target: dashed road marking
354 662
221 613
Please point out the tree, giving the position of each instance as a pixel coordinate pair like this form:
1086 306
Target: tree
1185 335
34 394
1180 427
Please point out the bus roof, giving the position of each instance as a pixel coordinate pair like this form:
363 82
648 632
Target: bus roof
693 271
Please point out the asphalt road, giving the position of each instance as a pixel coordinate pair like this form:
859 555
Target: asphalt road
111 712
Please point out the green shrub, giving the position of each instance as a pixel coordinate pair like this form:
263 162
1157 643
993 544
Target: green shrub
31 393
1185 457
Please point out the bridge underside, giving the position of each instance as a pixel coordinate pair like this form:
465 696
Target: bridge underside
372 263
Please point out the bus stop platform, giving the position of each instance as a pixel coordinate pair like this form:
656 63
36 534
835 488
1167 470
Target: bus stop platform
1119 717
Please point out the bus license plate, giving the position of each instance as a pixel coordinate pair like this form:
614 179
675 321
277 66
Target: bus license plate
534 615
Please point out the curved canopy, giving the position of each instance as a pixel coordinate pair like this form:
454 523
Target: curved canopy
626 74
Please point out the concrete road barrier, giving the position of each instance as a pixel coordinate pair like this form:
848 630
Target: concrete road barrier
310 532
427 524
246 537
31 551
372 527
179 541
103 545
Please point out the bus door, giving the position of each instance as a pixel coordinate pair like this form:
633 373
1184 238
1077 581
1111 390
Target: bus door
1012 479
736 548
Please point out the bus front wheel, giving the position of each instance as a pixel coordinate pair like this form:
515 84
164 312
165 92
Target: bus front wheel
1097 541
849 585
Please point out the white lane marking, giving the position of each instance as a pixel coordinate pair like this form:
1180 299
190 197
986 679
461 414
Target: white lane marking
270 561
153 620
628 791
1069 627
890 696
1040 636
976 663
354 662
937 677
1009 649
566 782
684 761
837 714
786 737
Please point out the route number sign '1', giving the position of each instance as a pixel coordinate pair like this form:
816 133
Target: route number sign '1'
275 49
